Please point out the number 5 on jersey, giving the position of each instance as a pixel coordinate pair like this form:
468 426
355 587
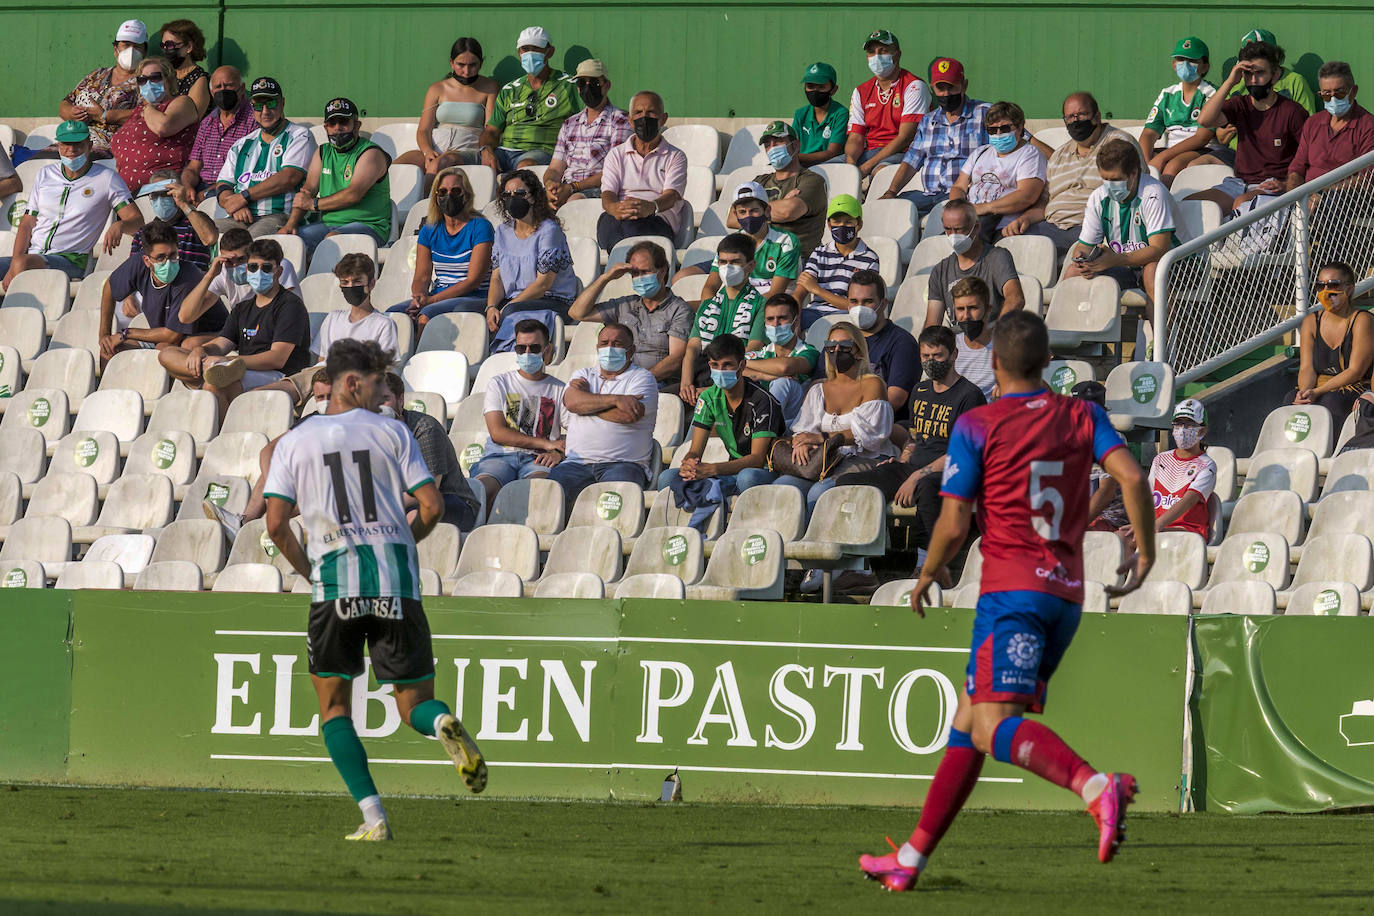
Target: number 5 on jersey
1042 495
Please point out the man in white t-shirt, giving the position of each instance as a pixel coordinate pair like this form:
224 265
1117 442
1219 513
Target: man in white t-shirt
1006 177
973 342
226 280
611 413
523 410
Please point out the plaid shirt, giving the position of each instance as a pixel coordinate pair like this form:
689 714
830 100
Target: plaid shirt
939 149
583 147
213 140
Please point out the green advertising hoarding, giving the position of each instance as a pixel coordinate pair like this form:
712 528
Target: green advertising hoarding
788 703
35 681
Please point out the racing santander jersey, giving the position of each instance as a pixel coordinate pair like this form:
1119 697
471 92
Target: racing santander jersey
1026 459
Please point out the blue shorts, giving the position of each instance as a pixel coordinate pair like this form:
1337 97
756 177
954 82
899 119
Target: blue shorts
506 468
1019 638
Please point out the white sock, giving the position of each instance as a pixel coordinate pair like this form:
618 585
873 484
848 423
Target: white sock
908 857
438 720
372 809
1093 788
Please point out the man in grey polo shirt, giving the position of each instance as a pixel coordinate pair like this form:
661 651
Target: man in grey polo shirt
659 319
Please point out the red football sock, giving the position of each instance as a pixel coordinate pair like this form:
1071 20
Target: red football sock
954 779
1035 747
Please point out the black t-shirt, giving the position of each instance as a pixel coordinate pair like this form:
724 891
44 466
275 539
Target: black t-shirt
162 303
933 414
759 415
253 330
893 354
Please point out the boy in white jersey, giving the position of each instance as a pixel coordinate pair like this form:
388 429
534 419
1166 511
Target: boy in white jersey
346 471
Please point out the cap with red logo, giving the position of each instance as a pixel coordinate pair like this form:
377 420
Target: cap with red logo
946 70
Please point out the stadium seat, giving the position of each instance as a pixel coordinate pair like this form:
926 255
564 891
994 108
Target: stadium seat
332 249
94 452
430 583
579 217
571 585
115 410
11 374
586 258
1199 178
23 453
1283 469
746 564
321 294
457 332
744 151
237 454
249 577
700 143
841 178
932 224
407 184
674 551
443 372
171 453
1336 557
1084 311
487 584
669 420
40 409
130 551
493 365
405 336
1278 511
927 253
1346 512
1140 394
1103 554
1306 426
68 496
664 514
897 593
483 181
169 576
820 328
715 451
1257 556
881 181
1158 596
972 574
47 540
11 501
1253 596
1095 597
49 291
651 585
81 331
1225 460
439 549
848 523
779 507
1181 557
71 370
1350 472
889 259
100 574
894 219
700 190
534 502
1032 254
582 549
909 306
23 330
1062 374
252 546
136 370
22 574
415 218
186 410
962 596
293 250
1322 599
612 504
621 253
714 222
195 540
224 490
268 412
511 548
90 291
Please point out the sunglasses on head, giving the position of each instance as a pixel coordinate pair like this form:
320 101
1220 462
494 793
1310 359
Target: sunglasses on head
528 348
261 266
266 104
144 79
1001 129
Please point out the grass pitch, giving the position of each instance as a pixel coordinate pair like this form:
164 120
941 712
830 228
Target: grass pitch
111 852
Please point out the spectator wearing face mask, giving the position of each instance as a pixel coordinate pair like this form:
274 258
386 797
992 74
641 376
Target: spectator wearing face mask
106 97
734 307
183 44
160 132
347 189
586 138
1005 178
1288 83
453 114
787 363
777 252
972 257
892 351
226 281
452 254
1184 477
171 203
973 342
1342 132
822 123
1174 116
1106 508
229 121
522 129
943 141
796 195
642 179
884 111
832 265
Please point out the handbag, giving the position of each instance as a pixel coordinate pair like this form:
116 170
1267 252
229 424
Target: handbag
823 460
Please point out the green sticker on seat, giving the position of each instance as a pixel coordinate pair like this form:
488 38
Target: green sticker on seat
417 405
1063 379
164 453
269 547
1327 603
905 599
1256 557
16 212
1298 426
217 493
5 391
471 453
39 411
609 504
1144 389
86 452
754 549
15 578
675 550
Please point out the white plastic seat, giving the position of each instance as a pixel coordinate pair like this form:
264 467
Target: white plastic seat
415 217
321 294
1199 178
71 370
611 504
332 249
47 290
700 143
840 178
190 411
621 252
22 574
1103 554
253 546
651 585
1084 311
579 217
897 593
1253 596
571 585
744 151
68 496
236 454
136 370
582 549
441 371
1336 557
169 576
407 184
927 253
961 596
511 548
1095 597
99 574
439 549
1158 596
669 420
1323 599
488 584
1140 394
171 453
492 366
11 374
848 523
675 551
483 181
397 139
715 221
268 412
115 410
771 506
135 503
1181 556
700 189
130 551
293 250
81 331
1258 556
1062 374
1277 511
715 452
23 453
1306 426
46 539
664 514
224 490
1225 460
586 257
881 181
534 502
1283 469
746 564
11 501
249 577
24 330
40 409
95 453
430 583
1032 254
889 258
894 219
1352 471
196 540
90 291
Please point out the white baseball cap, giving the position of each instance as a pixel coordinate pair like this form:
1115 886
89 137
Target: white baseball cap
751 190
1191 409
533 37
133 30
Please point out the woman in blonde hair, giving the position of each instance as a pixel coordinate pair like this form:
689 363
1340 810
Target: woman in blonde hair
452 254
159 134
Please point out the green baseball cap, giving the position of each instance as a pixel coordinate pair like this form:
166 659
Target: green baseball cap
1255 35
778 129
881 37
72 132
1192 48
819 73
847 204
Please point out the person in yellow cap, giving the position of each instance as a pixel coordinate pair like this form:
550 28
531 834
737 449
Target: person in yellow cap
825 278
796 195
1174 117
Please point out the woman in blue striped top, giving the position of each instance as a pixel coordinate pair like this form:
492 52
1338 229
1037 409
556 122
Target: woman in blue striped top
452 254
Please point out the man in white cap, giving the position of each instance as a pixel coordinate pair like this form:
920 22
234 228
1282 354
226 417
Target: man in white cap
106 96
524 123
585 139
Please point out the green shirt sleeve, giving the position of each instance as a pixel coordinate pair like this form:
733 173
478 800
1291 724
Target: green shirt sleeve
789 261
756 331
499 109
1155 122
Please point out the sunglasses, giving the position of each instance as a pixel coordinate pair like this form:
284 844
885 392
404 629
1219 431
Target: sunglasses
832 346
1329 284
145 79
1328 94
261 266
518 192
528 348
266 104
1001 129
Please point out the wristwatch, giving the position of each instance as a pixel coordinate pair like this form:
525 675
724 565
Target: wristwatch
247 198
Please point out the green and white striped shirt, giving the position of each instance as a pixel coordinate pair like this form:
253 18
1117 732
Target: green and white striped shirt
253 160
346 473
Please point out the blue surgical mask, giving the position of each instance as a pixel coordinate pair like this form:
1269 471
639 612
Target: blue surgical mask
612 359
1186 70
1003 143
778 156
152 92
880 64
238 275
532 62
164 208
261 281
779 333
1338 108
531 363
1118 191
74 163
646 286
724 378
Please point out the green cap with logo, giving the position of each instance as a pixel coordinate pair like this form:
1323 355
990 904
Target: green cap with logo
847 204
1191 48
778 129
1255 35
72 132
881 37
820 73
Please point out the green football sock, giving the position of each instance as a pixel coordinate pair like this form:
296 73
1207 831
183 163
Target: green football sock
424 715
349 757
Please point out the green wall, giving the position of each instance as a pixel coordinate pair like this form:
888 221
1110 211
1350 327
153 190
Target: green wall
707 59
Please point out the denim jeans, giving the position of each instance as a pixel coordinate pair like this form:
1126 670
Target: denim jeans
730 484
474 304
924 201
509 158
313 233
576 476
789 393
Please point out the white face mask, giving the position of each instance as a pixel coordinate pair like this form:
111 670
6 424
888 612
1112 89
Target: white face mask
863 316
732 275
1188 437
959 242
128 58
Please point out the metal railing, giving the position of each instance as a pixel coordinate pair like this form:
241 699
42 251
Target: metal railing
1248 283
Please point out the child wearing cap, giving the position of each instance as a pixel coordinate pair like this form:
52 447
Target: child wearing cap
1174 116
1183 478
830 267
821 123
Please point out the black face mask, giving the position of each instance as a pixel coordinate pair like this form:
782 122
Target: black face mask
226 100
518 207
844 235
175 56
843 360
466 80
1080 130
817 98
343 141
1260 91
591 93
952 102
752 224
972 328
354 295
453 204
936 368
646 128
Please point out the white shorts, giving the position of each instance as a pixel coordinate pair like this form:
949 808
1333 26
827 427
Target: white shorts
256 378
